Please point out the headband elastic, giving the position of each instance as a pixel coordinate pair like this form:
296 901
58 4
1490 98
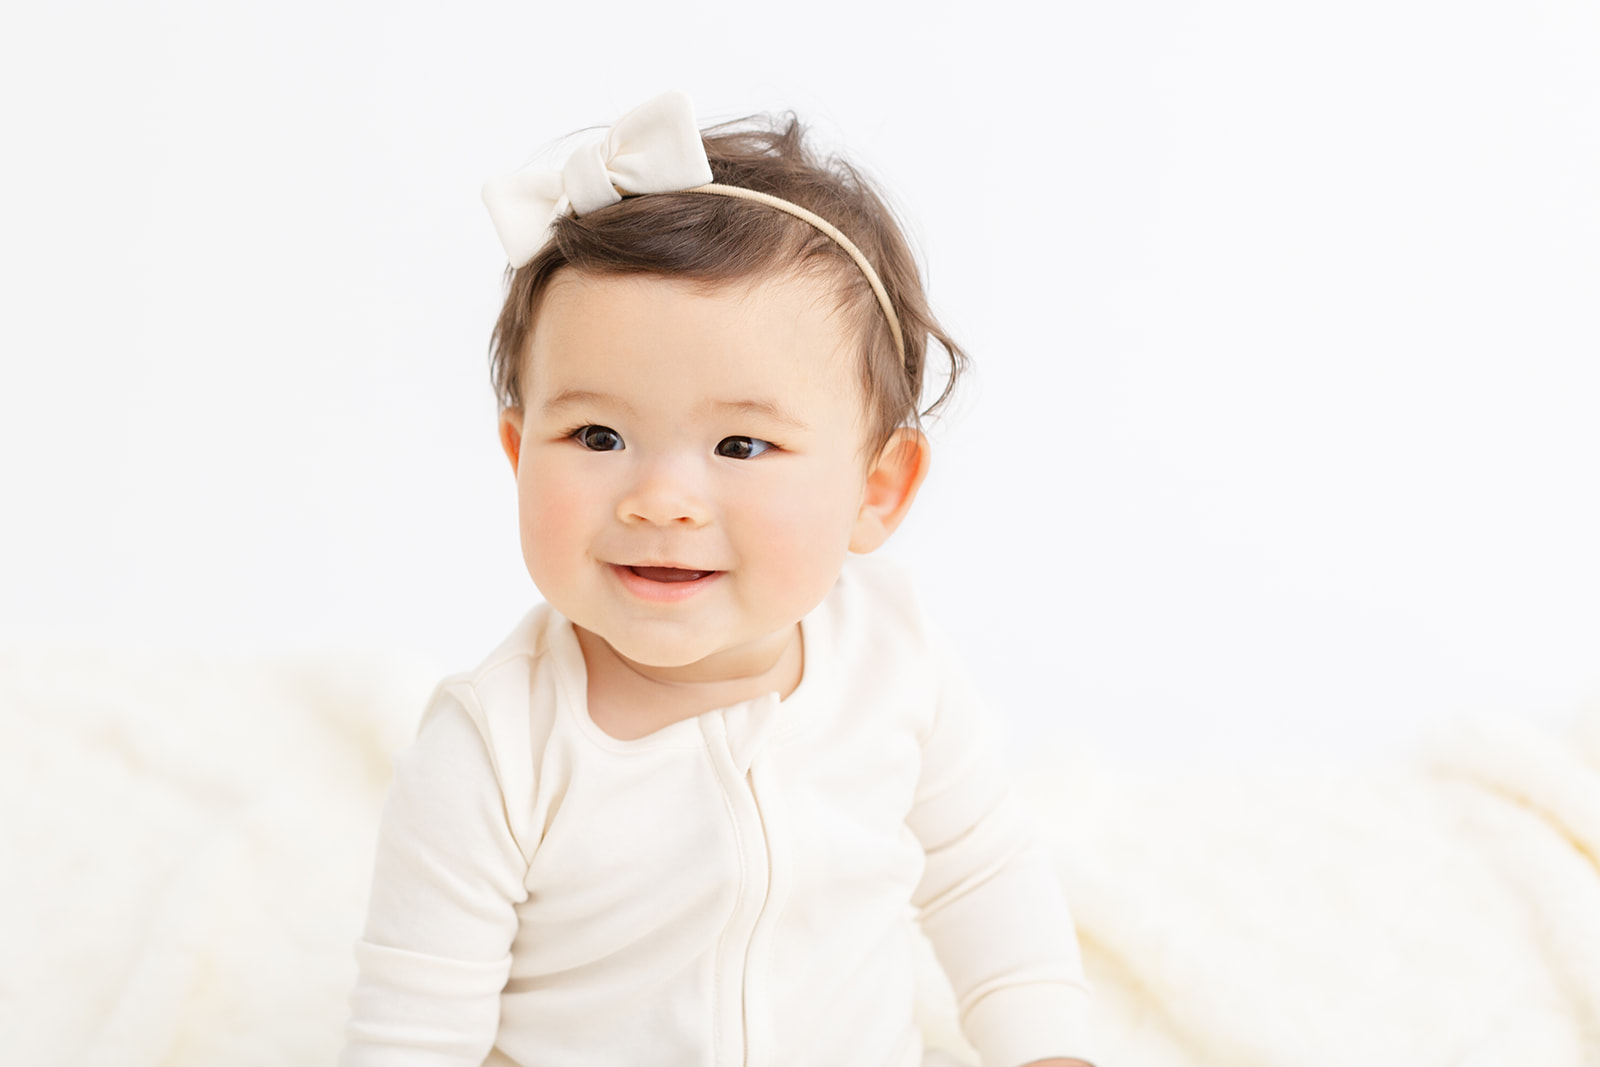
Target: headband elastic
655 148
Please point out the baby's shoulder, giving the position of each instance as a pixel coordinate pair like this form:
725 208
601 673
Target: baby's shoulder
876 600
511 696
874 624
485 728
531 646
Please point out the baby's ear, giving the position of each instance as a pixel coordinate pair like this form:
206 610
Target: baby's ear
892 484
511 435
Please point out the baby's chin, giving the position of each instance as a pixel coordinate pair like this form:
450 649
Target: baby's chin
694 659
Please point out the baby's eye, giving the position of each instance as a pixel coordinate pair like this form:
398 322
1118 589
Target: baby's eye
742 447
598 438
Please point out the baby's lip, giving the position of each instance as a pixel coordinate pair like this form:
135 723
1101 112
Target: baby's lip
667 573
664 583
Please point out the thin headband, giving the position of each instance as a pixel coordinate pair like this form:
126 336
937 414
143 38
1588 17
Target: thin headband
832 231
655 148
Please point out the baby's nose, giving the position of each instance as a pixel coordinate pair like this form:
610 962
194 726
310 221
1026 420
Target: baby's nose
665 494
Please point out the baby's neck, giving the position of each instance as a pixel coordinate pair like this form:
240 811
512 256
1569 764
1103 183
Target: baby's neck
629 700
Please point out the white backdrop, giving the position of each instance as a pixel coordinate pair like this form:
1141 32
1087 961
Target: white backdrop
1282 440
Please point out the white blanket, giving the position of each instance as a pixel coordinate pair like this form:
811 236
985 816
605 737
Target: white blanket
185 847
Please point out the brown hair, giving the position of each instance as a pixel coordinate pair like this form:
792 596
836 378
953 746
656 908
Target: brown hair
716 240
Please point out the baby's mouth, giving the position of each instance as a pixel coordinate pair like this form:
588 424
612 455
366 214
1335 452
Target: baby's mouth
669 574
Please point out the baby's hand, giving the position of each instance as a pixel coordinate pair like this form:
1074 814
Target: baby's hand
1059 1063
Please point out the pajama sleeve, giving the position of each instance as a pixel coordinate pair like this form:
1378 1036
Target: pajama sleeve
447 877
989 899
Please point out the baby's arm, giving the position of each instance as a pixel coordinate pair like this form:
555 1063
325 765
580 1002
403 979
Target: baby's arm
990 901
448 873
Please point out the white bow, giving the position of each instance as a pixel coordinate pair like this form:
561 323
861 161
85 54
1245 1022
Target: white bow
655 148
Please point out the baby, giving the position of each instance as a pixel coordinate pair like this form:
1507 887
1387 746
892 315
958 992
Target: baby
689 811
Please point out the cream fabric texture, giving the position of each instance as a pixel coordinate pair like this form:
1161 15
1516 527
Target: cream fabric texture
186 848
735 889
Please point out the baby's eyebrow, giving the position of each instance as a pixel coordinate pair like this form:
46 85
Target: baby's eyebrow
571 398
770 409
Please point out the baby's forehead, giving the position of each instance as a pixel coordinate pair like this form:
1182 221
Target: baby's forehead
772 345
774 327
812 292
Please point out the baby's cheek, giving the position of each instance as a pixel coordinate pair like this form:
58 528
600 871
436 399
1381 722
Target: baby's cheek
552 505
806 531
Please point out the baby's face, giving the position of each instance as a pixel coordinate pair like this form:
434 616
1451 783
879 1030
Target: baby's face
689 470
